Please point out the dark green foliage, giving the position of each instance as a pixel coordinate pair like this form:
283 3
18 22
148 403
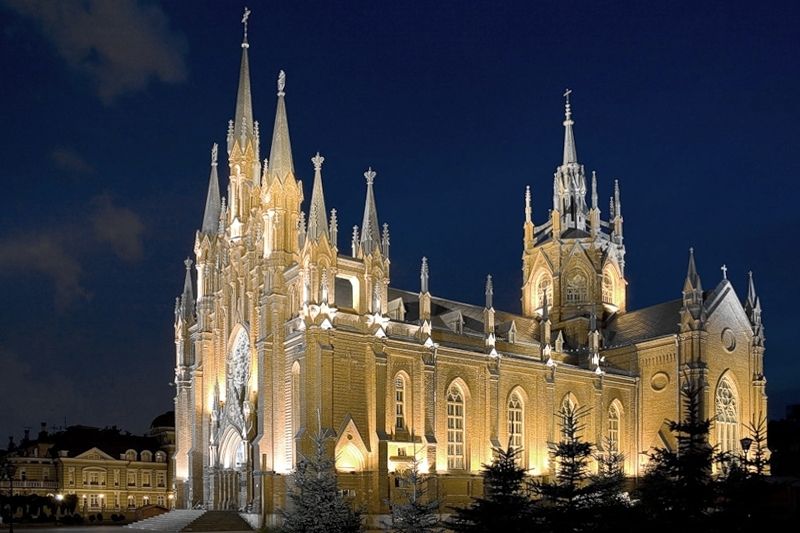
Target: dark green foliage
505 505
417 512
570 456
315 502
678 487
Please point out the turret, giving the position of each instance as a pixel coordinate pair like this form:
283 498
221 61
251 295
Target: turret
213 205
280 154
424 292
528 227
317 214
752 306
693 311
370 230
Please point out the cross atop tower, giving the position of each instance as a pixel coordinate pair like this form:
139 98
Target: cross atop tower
566 94
244 23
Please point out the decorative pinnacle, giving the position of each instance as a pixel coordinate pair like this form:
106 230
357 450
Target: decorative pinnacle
214 151
370 175
317 160
281 83
244 23
188 263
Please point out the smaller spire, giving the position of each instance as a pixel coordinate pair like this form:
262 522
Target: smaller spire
751 290
354 241
594 189
424 276
280 154
211 213
318 216
489 292
187 299
370 230
528 210
692 283
593 321
334 230
617 202
570 153
385 240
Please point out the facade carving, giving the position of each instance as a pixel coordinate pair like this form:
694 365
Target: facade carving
279 332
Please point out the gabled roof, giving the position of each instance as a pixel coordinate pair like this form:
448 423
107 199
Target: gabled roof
646 323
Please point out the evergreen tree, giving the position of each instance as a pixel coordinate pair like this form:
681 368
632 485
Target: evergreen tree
505 505
608 507
678 487
418 512
565 499
316 506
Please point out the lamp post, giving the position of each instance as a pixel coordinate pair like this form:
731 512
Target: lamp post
9 469
746 443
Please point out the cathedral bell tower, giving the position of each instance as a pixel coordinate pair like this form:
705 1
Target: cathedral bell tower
574 263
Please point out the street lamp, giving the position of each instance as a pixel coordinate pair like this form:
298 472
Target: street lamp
746 442
9 469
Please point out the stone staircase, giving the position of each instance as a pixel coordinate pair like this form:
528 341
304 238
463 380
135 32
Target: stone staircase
219 521
172 521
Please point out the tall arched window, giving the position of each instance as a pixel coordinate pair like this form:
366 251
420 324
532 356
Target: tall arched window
727 419
577 289
455 428
295 399
544 286
569 407
613 428
608 288
515 421
399 402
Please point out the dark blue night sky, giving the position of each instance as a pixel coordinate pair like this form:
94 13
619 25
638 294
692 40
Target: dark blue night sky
110 110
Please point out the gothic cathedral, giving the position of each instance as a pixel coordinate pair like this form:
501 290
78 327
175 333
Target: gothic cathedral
279 334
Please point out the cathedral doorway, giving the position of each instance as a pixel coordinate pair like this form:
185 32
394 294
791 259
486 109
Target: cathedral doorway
233 487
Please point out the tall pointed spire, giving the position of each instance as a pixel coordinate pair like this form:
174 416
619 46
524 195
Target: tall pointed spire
243 120
570 153
370 231
211 214
318 216
280 154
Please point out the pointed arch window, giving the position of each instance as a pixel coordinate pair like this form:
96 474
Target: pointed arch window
577 289
613 428
568 408
544 287
608 288
295 403
399 402
727 417
455 428
515 421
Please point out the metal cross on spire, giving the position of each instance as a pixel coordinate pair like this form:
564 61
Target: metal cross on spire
244 23
566 94
724 269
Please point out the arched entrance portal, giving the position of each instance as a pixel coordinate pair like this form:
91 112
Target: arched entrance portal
233 487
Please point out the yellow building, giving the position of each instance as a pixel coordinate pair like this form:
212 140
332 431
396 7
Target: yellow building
277 328
106 469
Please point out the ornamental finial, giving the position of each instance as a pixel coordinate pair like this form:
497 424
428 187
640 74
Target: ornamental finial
567 107
281 83
244 23
317 160
188 263
370 175
214 151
